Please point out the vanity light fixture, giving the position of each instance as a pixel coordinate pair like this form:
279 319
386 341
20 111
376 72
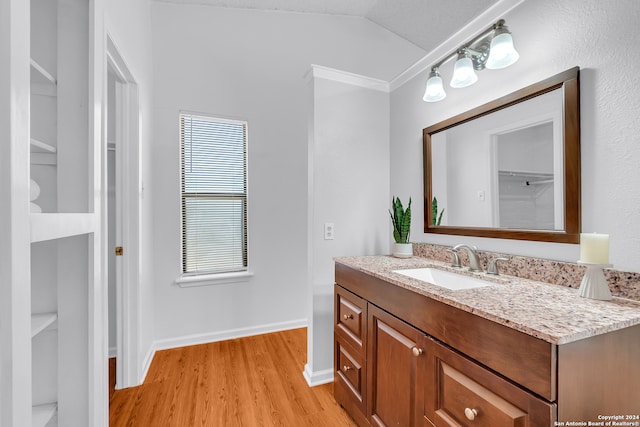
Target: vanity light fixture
463 74
503 53
435 90
491 49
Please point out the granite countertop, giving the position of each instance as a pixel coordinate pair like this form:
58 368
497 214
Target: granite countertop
556 314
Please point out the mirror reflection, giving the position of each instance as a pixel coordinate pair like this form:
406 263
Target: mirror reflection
504 169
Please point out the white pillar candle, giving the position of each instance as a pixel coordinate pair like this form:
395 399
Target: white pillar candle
594 248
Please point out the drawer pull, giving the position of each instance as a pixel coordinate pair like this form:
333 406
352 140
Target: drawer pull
471 414
347 316
417 351
345 368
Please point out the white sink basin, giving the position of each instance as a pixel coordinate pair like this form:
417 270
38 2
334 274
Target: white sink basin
445 279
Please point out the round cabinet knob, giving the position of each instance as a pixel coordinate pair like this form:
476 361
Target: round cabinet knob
345 368
471 414
347 316
417 351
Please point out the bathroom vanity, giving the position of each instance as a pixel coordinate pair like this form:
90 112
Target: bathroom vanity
516 353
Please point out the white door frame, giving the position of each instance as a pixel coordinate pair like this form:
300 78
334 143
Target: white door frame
128 195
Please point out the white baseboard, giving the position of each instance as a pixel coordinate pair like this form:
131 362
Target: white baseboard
146 364
196 339
317 378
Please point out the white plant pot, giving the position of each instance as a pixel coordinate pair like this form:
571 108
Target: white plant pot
402 250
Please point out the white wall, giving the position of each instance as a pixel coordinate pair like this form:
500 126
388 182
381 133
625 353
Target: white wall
551 37
349 187
248 64
468 172
128 23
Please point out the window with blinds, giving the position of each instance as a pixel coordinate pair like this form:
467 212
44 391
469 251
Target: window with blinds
214 194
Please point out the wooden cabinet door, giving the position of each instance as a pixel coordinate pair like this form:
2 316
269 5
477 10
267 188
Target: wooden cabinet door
394 348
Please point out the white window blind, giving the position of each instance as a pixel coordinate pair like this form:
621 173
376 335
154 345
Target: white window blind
214 194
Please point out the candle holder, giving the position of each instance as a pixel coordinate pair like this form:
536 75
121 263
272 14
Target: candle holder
594 285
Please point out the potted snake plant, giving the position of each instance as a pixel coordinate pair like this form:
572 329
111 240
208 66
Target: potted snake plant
401 221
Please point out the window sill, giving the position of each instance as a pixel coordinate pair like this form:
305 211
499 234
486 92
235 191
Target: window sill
213 279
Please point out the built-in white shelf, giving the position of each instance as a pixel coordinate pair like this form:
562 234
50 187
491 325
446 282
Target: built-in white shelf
41 75
44 159
42 414
49 226
39 146
43 153
42 321
42 81
44 89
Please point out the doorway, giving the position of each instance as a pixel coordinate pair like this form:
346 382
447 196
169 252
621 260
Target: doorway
122 216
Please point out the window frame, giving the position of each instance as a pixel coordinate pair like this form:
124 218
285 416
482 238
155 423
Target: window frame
207 277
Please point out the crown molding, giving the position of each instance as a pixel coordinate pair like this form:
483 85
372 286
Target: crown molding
321 72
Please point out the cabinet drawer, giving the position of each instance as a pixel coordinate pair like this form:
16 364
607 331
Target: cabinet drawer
350 379
351 318
350 367
460 392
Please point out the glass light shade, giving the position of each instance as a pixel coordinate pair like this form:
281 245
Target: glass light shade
502 53
435 90
463 74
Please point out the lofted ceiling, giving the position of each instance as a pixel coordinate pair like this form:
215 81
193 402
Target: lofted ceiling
425 23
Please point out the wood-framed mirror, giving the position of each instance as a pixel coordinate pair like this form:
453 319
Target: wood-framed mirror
508 169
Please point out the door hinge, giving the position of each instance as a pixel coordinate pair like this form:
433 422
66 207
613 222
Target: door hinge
118 250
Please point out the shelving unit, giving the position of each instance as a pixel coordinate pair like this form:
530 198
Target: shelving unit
43 160
52 327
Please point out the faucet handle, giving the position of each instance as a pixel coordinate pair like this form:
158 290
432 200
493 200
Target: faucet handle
493 266
455 258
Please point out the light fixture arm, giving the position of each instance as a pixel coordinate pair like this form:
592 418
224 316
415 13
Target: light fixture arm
478 47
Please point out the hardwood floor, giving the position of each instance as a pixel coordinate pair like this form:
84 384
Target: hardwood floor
253 381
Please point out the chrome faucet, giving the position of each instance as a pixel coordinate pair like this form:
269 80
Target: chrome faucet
472 253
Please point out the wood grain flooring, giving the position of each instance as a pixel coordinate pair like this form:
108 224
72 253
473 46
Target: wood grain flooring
253 381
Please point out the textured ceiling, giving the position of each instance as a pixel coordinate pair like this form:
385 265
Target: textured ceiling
426 23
